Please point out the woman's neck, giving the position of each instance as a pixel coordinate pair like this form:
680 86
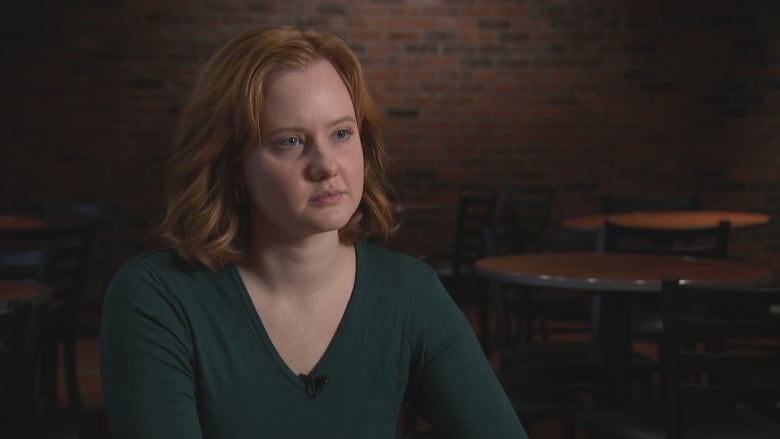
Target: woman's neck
299 268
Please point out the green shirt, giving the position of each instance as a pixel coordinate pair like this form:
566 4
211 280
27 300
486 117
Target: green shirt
184 355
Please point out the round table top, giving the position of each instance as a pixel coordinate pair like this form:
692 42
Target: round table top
18 290
670 220
16 222
615 271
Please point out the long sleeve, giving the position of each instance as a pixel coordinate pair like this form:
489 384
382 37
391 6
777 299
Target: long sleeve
146 360
452 383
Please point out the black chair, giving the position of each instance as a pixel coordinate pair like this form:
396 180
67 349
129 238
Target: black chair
524 218
638 203
59 257
710 391
709 242
573 365
92 423
476 211
576 363
533 399
21 325
91 300
524 224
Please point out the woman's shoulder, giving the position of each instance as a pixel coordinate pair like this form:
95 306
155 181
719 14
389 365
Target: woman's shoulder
159 270
394 270
385 259
159 260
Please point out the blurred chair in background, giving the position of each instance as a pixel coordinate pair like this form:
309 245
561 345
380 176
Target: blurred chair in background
91 298
475 212
569 355
524 219
708 242
534 399
637 203
710 391
57 255
524 224
21 330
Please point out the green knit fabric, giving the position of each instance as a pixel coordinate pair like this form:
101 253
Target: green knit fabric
185 355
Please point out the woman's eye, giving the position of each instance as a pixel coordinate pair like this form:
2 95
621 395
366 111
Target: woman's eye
342 134
289 142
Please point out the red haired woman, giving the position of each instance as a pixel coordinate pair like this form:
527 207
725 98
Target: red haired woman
269 315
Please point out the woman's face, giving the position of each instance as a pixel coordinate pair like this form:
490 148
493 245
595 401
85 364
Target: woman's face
306 176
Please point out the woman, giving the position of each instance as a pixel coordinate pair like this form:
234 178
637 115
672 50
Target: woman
269 316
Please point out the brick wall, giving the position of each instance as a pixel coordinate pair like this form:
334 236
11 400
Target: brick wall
591 97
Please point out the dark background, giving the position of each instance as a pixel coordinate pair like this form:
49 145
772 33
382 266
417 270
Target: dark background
664 97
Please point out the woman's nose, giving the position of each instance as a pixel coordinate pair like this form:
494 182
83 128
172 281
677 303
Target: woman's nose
322 165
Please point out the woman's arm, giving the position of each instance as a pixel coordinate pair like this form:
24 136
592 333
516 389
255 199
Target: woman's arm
452 383
146 359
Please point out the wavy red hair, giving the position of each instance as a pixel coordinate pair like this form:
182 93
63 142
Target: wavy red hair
204 220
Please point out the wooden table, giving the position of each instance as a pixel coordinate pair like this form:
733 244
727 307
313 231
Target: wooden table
18 222
615 281
669 220
11 291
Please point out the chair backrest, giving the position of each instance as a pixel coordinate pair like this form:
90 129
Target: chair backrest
57 255
709 242
637 203
92 423
64 213
699 368
524 217
476 211
20 262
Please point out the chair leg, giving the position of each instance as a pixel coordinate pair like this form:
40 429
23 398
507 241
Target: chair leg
69 348
544 332
525 319
646 388
48 374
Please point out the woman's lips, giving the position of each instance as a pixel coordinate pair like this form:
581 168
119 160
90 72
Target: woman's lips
328 198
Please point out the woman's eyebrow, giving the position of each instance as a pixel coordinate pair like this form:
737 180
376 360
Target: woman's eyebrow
339 121
342 120
276 131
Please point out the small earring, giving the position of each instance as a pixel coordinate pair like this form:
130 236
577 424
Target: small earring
240 195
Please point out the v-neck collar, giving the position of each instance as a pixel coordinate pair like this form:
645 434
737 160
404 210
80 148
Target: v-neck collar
338 337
